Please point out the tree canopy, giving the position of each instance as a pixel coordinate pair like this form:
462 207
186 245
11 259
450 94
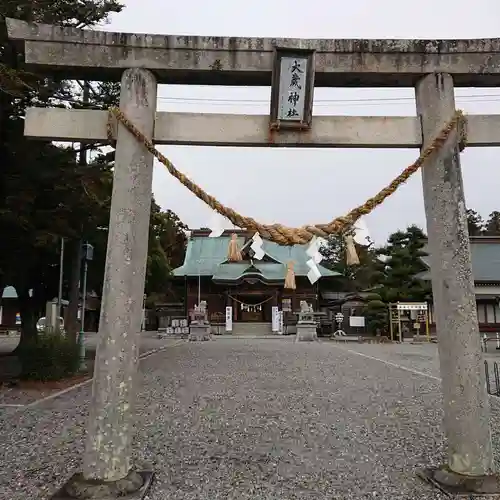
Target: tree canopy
353 278
392 269
475 223
167 243
479 227
46 191
492 225
400 262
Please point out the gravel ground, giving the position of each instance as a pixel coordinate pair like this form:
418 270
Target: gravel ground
149 340
18 396
260 419
420 357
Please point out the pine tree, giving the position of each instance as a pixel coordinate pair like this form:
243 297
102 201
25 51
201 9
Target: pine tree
475 223
493 224
400 265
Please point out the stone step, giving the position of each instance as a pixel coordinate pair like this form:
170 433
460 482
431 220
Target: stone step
251 328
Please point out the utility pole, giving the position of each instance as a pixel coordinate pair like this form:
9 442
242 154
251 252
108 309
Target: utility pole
61 277
86 251
78 245
87 255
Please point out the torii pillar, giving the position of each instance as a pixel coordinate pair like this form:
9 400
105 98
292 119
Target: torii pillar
107 466
466 407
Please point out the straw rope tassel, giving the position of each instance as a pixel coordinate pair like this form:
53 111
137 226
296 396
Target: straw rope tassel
290 276
351 255
233 252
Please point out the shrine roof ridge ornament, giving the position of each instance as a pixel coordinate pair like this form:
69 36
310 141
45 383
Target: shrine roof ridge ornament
206 60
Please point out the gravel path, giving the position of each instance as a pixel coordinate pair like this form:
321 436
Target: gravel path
260 419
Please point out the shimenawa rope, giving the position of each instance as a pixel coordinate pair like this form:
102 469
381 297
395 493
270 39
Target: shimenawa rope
287 235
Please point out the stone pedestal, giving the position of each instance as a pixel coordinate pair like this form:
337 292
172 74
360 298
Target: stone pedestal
200 328
306 326
200 331
134 486
306 331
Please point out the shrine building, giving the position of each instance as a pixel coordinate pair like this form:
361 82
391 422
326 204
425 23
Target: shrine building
485 259
250 287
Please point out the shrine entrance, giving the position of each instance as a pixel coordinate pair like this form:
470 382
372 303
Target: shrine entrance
254 308
292 67
252 313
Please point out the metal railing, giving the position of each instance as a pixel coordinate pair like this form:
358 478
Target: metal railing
485 339
492 379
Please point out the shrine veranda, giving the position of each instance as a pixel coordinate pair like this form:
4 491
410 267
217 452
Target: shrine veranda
140 62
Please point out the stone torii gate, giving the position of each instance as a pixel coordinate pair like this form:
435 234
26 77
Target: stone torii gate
140 62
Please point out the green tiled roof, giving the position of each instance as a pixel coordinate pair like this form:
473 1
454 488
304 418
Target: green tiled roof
485 261
208 257
233 271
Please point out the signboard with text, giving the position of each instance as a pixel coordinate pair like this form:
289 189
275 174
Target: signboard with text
292 89
357 321
275 326
229 319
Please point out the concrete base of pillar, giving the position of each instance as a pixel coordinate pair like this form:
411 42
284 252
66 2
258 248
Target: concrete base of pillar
306 332
133 487
457 485
200 332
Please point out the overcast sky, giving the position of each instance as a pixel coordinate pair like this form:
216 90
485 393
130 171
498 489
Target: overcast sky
295 186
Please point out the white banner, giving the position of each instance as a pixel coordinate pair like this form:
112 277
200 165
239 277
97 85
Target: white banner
275 321
229 319
281 329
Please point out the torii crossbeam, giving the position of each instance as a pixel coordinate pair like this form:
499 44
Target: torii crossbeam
210 129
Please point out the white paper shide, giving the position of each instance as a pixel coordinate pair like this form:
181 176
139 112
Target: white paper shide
313 251
256 246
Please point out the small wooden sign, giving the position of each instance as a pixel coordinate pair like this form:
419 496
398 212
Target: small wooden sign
357 321
292 89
